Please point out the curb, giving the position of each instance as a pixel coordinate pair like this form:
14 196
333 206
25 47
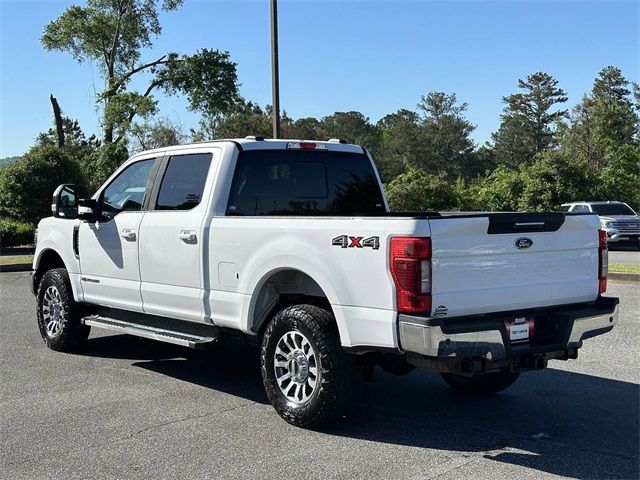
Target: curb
18 267
625 277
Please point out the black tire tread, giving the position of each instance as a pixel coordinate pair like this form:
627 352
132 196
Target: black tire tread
73 334
334 395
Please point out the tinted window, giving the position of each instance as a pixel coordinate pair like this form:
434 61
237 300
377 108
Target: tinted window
612 209
294 182
565 208
126 191
183 182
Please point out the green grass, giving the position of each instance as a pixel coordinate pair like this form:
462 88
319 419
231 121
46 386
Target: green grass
16 259
623 268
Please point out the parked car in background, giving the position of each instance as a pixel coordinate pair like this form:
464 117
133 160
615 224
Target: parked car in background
618 219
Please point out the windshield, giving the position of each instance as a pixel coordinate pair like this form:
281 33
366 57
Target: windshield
612 209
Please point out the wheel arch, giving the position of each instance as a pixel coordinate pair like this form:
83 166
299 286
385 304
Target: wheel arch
282 287
47 259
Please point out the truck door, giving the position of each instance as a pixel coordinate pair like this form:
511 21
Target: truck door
108 248
172 238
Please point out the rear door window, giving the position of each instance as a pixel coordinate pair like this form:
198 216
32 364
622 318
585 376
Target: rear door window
183 182
298 182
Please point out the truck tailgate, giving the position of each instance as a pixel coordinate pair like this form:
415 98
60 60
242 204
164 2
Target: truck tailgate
478 268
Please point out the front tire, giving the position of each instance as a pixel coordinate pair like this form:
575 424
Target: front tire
480 385
58 314
307 375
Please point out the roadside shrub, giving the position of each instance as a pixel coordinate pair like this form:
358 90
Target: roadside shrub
15 232
26 185
417 190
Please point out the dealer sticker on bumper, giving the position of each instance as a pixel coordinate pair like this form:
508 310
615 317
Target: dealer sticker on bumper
520 329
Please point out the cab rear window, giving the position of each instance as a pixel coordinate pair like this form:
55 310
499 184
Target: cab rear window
298 182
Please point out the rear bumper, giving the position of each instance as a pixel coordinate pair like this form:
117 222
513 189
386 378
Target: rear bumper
558 329
614 235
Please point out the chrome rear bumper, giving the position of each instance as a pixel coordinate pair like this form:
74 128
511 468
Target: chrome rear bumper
436 338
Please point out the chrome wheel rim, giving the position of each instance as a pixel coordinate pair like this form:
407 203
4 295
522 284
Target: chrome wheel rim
296 367
52 311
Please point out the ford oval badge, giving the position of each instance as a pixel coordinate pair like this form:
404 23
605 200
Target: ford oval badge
523 243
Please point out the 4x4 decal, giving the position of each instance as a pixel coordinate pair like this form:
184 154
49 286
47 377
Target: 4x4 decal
348 241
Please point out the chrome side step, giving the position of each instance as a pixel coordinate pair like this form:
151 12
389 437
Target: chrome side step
154 333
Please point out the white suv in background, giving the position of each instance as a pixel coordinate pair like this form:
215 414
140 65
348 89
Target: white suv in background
618 219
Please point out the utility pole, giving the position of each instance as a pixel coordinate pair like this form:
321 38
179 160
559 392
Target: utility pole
275 83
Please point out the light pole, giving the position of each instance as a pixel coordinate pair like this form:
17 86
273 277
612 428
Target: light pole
275 83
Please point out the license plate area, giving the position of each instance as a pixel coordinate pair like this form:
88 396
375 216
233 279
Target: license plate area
520 329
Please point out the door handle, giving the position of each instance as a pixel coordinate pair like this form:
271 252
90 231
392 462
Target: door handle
188 236
128 234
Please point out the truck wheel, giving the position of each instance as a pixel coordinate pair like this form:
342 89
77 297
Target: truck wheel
479 385
307 375
58 314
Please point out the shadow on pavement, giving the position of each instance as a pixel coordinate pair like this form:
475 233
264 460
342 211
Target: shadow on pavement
554 421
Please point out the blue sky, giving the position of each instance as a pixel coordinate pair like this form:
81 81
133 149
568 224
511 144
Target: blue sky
375 57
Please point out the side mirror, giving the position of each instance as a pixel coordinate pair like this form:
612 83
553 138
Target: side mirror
64 203
88 209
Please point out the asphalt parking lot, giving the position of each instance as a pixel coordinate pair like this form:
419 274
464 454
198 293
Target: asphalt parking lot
130 408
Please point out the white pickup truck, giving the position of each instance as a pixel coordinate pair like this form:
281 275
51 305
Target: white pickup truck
291 244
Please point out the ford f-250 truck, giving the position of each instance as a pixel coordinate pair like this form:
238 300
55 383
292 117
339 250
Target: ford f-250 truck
291 244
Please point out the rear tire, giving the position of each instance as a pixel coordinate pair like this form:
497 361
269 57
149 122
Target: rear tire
307 375
58 314
480 385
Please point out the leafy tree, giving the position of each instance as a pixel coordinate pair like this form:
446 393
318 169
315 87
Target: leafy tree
352 126
156 134
101 164
416 190
302 128
26 185
400 146
528 120
603 120
620 179
552 179
113 34
499 191
245 118
614 118
445 134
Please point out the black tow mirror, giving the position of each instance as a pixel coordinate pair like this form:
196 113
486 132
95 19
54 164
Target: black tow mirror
64 203
88 209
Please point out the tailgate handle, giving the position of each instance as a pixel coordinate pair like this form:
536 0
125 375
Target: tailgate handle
529 224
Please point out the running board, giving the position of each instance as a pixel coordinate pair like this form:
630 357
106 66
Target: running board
154 333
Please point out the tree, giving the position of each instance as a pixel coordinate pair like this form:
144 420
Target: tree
614 117
445 134
499 191
551 180
415 190
156 134
351 126
113 34
605 119
528 120
620 179
244 118
26 185
400 146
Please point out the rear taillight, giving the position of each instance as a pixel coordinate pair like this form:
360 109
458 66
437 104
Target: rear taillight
603 261
410 263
